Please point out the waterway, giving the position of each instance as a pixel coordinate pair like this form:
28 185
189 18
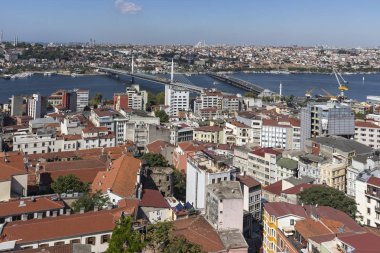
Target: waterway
295 84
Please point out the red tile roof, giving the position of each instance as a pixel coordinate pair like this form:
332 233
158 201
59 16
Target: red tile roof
248 181
55 228
280 209
262 151
12 165
299 188
38 205
374 181
275 188
120 179
156 146
153 198
363 243
366 124
197 230
190 146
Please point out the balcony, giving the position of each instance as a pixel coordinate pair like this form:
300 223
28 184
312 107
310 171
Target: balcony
377 209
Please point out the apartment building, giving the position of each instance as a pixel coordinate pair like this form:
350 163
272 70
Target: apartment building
36 106
367 133
251 190
236 133
254 121
367 196
359 164
204 168
82 99
177 99
281 133
224 205
210 134
318 120
262 165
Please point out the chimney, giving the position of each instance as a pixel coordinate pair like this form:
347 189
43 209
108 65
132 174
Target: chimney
81 210
39 215
109 206
24 217
68 211
96 208
55 213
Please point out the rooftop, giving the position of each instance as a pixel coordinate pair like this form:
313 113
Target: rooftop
287 163
248 181
226 190
65 226
232 239
343 144
29 205
121 179
197 230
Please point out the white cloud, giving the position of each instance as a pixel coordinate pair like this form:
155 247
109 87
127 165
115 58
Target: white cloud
127 7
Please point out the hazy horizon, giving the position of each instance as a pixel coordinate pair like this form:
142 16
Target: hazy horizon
341 24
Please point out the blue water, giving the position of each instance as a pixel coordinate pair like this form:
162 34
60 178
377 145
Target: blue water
295 84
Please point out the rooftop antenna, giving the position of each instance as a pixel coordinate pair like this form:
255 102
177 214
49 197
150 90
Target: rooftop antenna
172 72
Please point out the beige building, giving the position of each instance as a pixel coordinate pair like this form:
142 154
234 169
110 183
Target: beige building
334 175
209 134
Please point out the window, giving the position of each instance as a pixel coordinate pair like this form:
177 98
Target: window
291 221
368 210
90 240
105 238
59 243
75 241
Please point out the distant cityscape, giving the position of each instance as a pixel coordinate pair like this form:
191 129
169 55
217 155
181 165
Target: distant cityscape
17 57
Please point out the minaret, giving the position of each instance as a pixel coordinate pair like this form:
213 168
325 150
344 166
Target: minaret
172 72
132 65
16 40
280 89
1 37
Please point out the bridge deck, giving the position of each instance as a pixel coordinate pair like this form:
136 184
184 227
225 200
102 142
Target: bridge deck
238 83
151 78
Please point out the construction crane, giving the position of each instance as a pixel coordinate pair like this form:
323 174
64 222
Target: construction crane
342 83
329 95
309 92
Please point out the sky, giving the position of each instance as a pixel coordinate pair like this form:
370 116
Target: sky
342 23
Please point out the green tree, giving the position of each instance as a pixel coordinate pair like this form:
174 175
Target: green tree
97 99
327 196
90 201
250 95
179 185
160 238
69 183
124 238
160 98
154 160
162 115
182 245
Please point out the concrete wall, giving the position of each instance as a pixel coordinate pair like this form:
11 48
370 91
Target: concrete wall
5 190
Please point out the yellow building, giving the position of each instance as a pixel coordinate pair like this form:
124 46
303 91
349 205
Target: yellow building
209 134
279 219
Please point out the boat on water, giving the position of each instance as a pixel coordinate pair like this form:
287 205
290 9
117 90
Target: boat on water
73 75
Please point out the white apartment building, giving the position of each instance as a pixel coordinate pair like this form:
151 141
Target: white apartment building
262 165
224 205
359 164
42 142
281 133
236 133
204 168
251 190
367 133
367 196
35 109
82 98
255 122
177 99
